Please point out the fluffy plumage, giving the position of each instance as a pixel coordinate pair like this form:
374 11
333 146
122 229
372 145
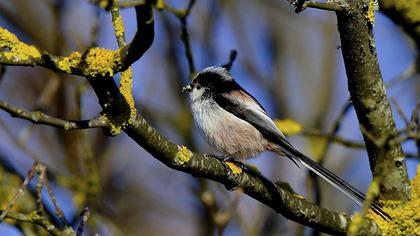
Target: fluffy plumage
236 124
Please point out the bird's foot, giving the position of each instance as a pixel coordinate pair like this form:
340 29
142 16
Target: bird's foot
241 165
231 164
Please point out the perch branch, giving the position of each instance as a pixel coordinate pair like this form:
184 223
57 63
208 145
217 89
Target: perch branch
278 198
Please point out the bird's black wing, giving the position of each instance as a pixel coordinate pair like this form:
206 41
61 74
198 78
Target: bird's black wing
248 109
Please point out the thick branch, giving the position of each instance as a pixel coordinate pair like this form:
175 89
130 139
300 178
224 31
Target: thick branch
369 98
94 62
38 117
143 38
278 198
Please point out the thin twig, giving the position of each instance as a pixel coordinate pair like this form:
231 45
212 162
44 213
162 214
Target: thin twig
18 143
35 218
58 212
2 72
84 216
108 4
223 217
407 73
38 117
328 6
415 124
94 31
400 111
232 56
20 192
334 139
182 16
412 155
118 26
40 170
38 216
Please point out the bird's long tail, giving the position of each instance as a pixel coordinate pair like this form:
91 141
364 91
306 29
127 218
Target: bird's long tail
354 194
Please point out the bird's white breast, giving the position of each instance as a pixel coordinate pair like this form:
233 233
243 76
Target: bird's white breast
229 134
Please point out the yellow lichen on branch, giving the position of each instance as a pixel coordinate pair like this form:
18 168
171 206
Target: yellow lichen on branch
17 49
101 62
234 168
126 88
95 62
183 155
67 64
405 216
373 7
126 81
358 219
118 26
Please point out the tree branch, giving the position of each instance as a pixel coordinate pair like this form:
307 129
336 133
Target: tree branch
34 218
328 6
333 138
404 13
183 16
368 95
38 216
232 56
38 117
278 198
84 216
94 62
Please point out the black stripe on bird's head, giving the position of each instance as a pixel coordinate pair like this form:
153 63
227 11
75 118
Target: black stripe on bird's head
216 79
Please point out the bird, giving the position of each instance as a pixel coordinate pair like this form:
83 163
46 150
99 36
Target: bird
237 126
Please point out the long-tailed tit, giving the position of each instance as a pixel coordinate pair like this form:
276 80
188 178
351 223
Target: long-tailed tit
236 124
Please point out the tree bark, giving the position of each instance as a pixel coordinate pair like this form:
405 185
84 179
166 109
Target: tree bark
369 98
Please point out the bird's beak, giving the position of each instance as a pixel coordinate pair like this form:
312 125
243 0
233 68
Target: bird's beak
187 88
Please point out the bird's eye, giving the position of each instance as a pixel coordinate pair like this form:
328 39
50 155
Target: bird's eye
198 87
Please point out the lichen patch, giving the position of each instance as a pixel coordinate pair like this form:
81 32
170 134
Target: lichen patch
405 216
183 155
234 168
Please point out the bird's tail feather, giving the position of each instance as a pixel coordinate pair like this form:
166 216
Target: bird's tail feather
354 194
